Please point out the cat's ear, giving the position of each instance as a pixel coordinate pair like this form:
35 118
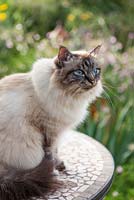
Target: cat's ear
95 51
64 54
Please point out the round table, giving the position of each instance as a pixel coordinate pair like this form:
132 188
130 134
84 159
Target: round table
89 168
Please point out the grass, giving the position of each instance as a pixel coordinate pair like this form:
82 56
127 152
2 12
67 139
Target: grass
123 178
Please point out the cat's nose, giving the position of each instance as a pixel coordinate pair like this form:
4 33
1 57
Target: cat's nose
92 79
91 76
94 82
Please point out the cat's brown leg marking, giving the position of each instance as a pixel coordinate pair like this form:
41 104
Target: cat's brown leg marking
52 154
59 164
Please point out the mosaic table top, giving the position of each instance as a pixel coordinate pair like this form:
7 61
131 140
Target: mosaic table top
89 168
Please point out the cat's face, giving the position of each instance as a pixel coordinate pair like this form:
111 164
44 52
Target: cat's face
76 72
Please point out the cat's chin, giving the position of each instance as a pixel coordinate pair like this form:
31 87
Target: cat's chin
96 91
90 93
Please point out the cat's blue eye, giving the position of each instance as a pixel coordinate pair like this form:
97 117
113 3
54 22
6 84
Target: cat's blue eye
78 72
96 71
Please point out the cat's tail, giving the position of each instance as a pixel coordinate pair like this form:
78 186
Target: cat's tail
24 185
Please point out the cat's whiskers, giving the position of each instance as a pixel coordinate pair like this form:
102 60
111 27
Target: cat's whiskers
110 90
108 98
107 84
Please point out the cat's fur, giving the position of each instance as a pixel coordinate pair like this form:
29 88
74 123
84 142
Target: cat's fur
35 108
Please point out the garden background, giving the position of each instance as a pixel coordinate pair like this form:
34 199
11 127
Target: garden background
30 29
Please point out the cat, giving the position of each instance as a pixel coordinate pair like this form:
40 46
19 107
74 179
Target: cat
35 109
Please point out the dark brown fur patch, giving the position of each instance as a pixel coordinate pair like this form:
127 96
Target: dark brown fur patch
26 184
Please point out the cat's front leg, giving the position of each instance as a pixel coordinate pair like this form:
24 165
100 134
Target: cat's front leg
59 164
51 152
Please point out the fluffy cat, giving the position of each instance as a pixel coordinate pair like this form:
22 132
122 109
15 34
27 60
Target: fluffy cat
35 108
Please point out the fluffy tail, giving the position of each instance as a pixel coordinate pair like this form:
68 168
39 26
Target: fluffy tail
24 185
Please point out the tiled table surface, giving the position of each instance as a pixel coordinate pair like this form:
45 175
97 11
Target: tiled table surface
89 168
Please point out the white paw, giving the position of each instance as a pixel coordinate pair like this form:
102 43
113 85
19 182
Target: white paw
55 172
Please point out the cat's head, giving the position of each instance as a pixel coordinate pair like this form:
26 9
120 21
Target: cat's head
77 72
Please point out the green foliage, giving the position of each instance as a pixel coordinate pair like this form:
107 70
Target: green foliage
38 16
113 17
123 183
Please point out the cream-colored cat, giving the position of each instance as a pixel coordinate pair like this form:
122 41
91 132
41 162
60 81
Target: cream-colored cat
35 108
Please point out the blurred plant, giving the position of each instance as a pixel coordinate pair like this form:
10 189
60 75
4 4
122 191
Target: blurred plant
58 35
3 8
20 49
77 17
122 187
107 18
37 16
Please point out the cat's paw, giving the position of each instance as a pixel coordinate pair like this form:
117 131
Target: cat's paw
60 166
56 172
